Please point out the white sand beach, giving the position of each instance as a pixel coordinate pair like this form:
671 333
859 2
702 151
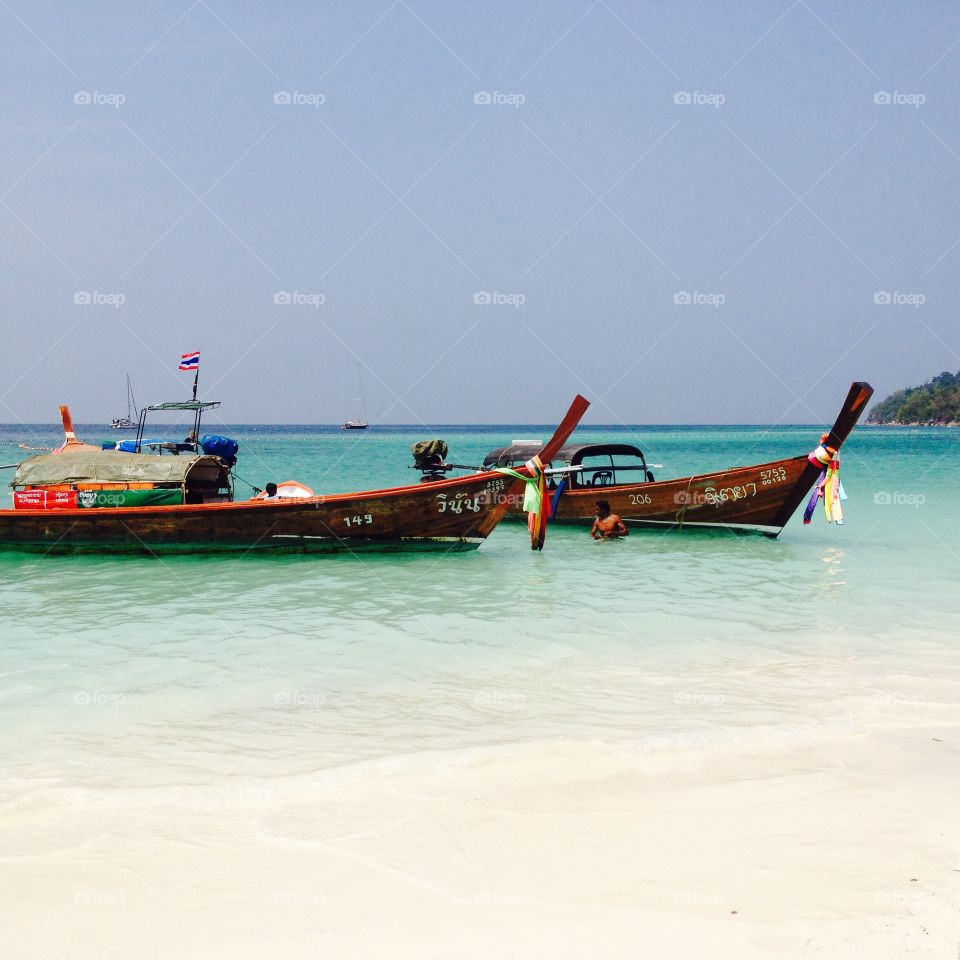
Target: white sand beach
843 844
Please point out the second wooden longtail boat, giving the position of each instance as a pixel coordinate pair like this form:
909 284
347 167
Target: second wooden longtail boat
86 499
760 498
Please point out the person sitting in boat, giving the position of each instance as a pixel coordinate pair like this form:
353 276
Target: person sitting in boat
607 525
288 490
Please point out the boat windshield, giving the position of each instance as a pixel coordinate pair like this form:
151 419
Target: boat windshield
608 468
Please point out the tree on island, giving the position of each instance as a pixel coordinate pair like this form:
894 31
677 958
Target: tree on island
933 403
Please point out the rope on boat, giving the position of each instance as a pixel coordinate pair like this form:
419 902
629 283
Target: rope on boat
254 488
683 500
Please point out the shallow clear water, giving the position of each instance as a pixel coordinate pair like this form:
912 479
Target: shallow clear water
142 673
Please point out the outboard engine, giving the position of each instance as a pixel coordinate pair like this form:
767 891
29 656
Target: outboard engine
213 445
429 457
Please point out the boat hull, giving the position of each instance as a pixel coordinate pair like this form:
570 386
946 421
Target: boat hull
450 515
754 499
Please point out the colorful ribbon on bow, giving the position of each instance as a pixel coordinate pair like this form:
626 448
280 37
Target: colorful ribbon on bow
535 502
828 488
823 454
833 493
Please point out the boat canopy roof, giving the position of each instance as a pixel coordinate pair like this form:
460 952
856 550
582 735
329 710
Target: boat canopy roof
192 405
108 466
572 453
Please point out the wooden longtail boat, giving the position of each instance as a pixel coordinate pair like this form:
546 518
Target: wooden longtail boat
759 498
100 501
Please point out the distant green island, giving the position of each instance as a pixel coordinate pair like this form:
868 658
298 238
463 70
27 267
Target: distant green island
935 403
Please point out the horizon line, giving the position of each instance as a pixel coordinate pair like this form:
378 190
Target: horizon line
373 426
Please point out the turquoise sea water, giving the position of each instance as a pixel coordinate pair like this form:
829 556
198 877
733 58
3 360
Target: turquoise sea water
178 672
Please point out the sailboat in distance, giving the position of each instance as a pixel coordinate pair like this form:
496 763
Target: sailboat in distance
128 423
361 422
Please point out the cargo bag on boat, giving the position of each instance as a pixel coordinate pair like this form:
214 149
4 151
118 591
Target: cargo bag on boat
429 453
215 445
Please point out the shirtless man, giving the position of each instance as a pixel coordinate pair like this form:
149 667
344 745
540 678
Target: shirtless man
607 526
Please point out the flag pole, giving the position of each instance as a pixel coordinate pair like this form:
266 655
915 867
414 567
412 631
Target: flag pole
196 413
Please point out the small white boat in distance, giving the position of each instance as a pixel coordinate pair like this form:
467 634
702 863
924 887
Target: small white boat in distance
128 422
361 422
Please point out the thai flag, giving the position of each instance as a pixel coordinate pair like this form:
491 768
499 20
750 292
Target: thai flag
190 361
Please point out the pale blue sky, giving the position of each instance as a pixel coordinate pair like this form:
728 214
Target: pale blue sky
783 201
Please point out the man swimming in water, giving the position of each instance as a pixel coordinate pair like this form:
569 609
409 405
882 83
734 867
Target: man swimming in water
607 526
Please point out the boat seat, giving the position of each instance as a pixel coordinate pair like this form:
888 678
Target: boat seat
602 478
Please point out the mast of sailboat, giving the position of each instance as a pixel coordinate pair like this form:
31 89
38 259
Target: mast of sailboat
131 400
361 401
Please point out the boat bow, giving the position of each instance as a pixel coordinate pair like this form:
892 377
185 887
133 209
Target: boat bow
857 399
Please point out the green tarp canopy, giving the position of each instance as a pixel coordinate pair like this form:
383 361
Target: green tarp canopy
108 466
